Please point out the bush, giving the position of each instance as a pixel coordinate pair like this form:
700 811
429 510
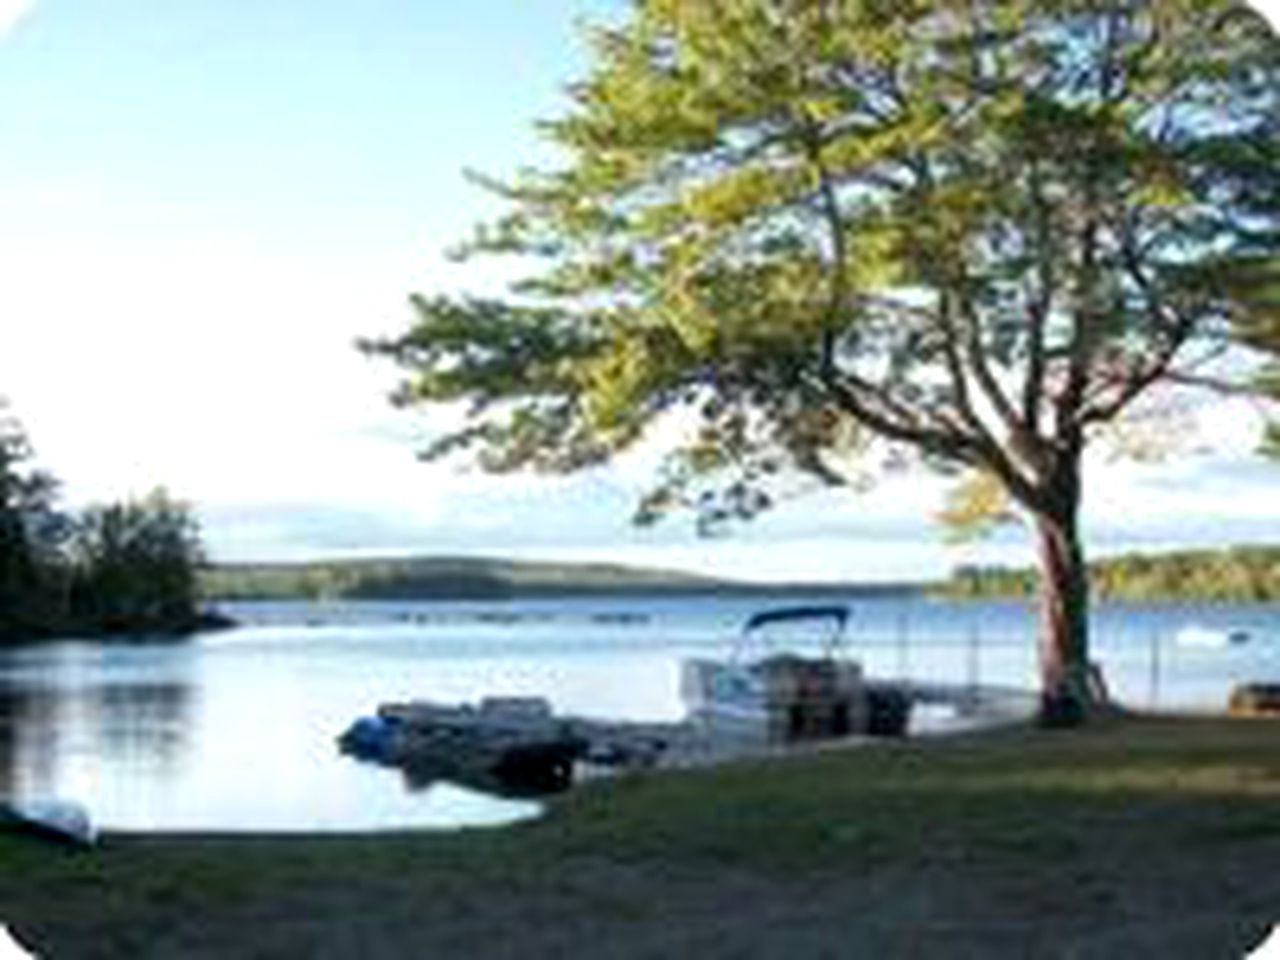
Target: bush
135 566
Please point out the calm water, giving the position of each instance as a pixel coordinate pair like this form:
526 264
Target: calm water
235 730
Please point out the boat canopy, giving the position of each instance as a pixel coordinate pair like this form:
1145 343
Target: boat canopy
836 612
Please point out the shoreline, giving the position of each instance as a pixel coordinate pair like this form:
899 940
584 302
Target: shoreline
1140 835
210 620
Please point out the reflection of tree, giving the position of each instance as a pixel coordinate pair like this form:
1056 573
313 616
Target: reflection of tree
8 737
43 724
28 737
141 720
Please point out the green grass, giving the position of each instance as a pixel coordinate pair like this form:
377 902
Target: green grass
904 800
1132 826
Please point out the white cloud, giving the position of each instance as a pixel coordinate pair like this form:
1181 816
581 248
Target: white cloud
1269 9
221 369
12 12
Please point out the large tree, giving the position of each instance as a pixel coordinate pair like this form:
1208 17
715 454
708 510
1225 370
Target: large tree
974 232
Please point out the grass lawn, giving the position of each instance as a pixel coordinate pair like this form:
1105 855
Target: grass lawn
1131 838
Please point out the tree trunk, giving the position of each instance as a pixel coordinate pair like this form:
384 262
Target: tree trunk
1070 687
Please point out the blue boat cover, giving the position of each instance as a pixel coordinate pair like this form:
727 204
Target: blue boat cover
837 612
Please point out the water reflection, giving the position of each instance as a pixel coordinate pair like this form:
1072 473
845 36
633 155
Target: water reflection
29 738
12 711
515 784
77 710
195 737
142 721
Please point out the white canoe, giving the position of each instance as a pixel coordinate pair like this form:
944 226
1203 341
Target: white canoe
58 818
11 949
1268 949
1210 638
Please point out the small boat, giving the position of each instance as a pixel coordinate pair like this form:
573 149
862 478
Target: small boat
10 948
1268 949
61 820
1195 635
766 692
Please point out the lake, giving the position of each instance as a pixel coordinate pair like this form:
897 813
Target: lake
234 731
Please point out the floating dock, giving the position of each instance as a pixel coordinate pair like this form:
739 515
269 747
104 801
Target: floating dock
514 744
517 746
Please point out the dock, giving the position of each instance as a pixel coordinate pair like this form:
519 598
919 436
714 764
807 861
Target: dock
517 746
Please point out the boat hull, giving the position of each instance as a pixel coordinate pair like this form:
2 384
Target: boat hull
779 698
59 820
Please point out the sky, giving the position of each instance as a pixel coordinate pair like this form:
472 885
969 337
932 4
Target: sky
203 205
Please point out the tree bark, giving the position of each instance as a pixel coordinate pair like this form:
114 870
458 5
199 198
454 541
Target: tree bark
1070 687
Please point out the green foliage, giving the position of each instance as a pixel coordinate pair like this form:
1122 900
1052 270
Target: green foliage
974 231
121 568
1234 575
1259 329
135 565
975 506
31 534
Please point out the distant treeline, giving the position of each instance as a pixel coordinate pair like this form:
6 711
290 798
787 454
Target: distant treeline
480 578
417 578
1235 574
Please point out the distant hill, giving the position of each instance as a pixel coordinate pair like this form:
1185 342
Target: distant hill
1241 574
477 578
437 577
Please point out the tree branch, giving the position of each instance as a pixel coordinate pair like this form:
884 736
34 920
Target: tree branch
1176 332
993 455
851 395
1086 315
968 441
1023 440
1034 383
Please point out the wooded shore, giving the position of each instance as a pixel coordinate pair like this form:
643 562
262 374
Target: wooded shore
1241 574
